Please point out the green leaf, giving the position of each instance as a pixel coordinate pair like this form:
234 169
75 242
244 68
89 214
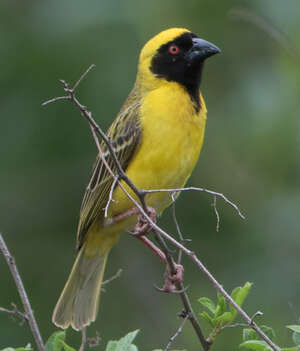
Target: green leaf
111 346
256 345
133 347
208 303
239 295
26 348
67 347
294 327
249 334
296 335
296 338
268 331
296 348
124 344
208 318
225 318
55 342
221 306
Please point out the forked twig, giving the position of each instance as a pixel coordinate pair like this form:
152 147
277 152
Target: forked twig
178 331
160 233
193 188
15 312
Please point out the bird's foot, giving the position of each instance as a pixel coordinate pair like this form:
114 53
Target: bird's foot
143 227
120 217
172 280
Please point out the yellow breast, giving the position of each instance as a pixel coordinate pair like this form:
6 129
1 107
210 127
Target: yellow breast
172 137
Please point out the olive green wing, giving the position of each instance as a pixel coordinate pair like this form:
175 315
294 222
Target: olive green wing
125 136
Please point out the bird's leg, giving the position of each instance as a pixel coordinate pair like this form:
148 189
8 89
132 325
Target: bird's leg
142 226
153 248
141 229
118 218
172 280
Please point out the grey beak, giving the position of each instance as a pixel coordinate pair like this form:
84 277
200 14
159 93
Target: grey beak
202 49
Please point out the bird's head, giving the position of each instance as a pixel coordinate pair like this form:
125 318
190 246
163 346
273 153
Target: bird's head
175 55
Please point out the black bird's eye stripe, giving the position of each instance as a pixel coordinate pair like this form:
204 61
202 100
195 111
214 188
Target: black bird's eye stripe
183 42
176 68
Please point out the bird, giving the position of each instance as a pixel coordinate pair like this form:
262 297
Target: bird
157 137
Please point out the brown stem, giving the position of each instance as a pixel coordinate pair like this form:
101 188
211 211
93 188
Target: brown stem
160 234
23 295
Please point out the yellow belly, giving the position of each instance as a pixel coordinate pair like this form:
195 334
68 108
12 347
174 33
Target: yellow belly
172 137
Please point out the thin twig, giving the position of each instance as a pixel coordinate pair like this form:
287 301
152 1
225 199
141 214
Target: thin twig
83 76
83 339
192 188
15 312
177 227
216 213
256 314
110 197
56 99
179 331
104 137
23 295
114 277
160 233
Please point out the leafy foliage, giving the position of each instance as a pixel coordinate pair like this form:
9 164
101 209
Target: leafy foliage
251 339
220 315
26 348
56 342
124 344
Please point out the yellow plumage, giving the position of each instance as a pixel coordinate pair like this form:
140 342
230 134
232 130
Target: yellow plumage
157 136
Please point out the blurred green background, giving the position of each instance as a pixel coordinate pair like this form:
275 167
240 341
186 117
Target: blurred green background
251 154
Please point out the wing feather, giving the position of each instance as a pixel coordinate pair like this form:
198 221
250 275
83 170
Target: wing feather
125 136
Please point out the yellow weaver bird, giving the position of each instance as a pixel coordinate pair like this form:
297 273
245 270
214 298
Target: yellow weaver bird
157 137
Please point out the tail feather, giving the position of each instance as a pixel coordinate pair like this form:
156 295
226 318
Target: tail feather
78 303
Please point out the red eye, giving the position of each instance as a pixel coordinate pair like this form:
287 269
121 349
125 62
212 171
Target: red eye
173 49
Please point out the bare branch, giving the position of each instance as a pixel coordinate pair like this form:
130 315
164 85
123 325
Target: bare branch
216 213
83 76
110 199
114 277
83 339
56 99
179 331
177 227
192 188
23 295
161 234
256 314
15 312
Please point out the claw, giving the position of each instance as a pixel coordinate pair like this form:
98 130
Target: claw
172 280
173 291
142 226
